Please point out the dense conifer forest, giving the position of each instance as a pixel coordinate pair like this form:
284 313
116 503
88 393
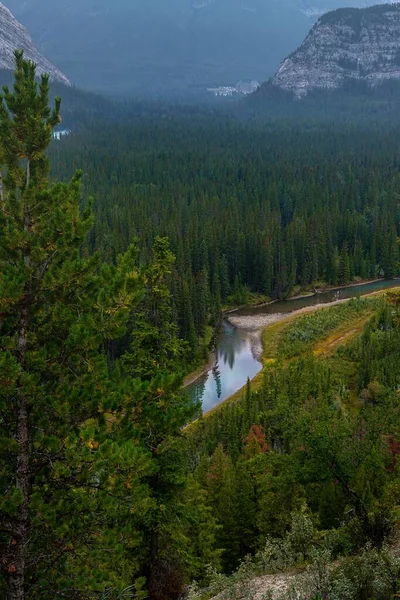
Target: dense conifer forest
248 208
112 483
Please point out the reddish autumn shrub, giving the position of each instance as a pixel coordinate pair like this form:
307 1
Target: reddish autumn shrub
255 442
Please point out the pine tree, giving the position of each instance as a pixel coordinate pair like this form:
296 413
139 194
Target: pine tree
247 501
155 345
389 252
186 321
221 485
66 485
344 266
216 294
202 302
224 277
159 411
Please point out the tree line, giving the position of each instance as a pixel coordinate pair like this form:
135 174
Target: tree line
248 208
320 436
95 498
103 492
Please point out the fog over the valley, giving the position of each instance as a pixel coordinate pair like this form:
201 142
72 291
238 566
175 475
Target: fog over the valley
168 46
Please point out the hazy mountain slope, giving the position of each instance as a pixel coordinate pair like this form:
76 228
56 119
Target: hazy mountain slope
13 35
345 46
162 45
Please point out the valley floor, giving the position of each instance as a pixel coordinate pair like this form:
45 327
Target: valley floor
267 330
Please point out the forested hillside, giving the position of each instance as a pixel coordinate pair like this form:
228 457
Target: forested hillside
95 501
305 470
248 208
112 483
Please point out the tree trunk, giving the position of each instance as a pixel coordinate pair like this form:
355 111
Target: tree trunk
20 533
16 584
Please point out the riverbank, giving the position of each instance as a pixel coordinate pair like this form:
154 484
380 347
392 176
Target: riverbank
254 324
318 288
260 324
201 370
321 288
257 323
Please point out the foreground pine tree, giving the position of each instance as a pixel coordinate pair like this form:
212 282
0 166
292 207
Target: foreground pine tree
95 501
68 484
161 410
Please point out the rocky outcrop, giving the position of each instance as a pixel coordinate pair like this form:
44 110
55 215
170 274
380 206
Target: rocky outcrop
13 35
345 45
165 47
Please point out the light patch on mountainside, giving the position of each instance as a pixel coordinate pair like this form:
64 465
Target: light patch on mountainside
14 36
346 45
160 47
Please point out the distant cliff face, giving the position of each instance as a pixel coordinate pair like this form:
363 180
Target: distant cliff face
14 35
345 45
169 46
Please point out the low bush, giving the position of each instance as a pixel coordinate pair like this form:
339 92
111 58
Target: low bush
300 335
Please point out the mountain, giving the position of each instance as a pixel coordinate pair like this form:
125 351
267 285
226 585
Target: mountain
161 46
14 35
345 47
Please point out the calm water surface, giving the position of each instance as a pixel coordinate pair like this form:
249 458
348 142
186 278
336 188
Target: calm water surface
235 363
235 360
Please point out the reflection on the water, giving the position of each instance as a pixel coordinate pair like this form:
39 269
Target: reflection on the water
196 390
235 363
231 343
235 360
217 378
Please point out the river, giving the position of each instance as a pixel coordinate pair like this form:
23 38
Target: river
237 356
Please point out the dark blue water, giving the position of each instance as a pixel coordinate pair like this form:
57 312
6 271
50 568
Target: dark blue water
235 360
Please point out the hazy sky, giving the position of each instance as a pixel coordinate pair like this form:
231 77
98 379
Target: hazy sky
141 45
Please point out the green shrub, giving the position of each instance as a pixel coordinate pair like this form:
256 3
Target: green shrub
301 334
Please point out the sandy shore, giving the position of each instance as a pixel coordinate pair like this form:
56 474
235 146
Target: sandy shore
255 324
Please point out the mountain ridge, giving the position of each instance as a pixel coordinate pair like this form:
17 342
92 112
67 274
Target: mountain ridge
13 35
158 46
345 46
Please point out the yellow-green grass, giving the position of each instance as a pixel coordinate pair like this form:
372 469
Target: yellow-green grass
342 335
271 335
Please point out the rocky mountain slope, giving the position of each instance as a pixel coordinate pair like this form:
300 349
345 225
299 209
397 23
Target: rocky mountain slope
158 46
345 46
14 35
